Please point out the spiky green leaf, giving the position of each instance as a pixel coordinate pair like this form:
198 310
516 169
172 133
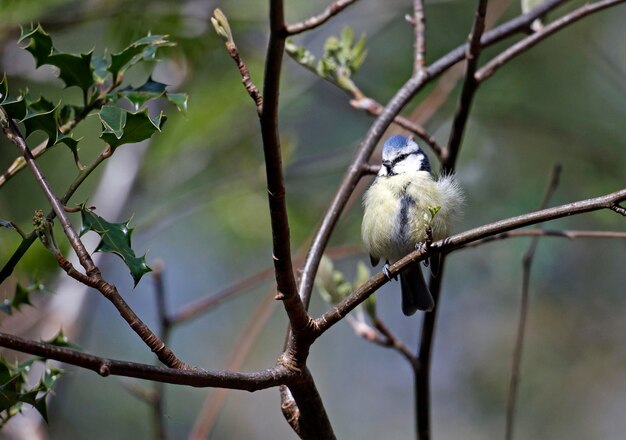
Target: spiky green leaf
74 70
180 100
21 296
138 96
99 66
115 238
144 48
122 127
39 44
60 340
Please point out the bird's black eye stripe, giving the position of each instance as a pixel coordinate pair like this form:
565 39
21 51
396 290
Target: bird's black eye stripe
401 157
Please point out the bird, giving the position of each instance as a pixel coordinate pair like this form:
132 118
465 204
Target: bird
398 208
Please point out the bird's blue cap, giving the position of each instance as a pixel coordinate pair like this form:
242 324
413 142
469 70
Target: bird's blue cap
396 142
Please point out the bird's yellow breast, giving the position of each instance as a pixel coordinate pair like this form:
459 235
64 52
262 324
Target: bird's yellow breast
397 212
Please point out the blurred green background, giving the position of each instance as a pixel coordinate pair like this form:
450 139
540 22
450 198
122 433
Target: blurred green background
199 204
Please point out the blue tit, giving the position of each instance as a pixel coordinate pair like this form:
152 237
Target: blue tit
397 214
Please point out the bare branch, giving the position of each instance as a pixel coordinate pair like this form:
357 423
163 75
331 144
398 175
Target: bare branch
106 367
214 401
420 36
311 23
285 280
394 342
469 87
374 108
527 260
220 23
548 233
332 316
30 238
528 42
158 402
207 303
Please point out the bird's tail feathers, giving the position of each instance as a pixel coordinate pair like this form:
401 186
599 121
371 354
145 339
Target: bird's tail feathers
415 293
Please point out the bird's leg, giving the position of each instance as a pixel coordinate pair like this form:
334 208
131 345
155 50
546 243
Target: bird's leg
424 245
386 272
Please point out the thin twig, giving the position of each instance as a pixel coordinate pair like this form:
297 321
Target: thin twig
527 261
213 403
158 403
331 10
520 47
570 234
449 157
420 36
12 132
29 239
220 23
374 108
469 88
202 305
394 342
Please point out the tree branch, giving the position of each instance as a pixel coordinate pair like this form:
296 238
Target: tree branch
286 284
449 157
374 108
253 381
527 260
220 23
457 241
311 23
420 36
520 47
469 88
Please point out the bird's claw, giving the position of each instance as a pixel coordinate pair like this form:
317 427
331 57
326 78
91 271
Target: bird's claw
423 247
387 274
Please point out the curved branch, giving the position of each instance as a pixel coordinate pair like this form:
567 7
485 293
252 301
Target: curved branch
285 280
589 8
457 241
311 23
252 381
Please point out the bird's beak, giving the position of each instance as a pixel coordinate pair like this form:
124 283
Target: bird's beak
387 164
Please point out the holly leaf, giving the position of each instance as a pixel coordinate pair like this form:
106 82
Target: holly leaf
60 340
179 100
122 127
74 70
144 48
21 297
39 44
40 115
138 96
15 391
115 238
99 66
16 108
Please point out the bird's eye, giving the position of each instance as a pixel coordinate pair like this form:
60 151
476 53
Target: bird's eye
400 158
